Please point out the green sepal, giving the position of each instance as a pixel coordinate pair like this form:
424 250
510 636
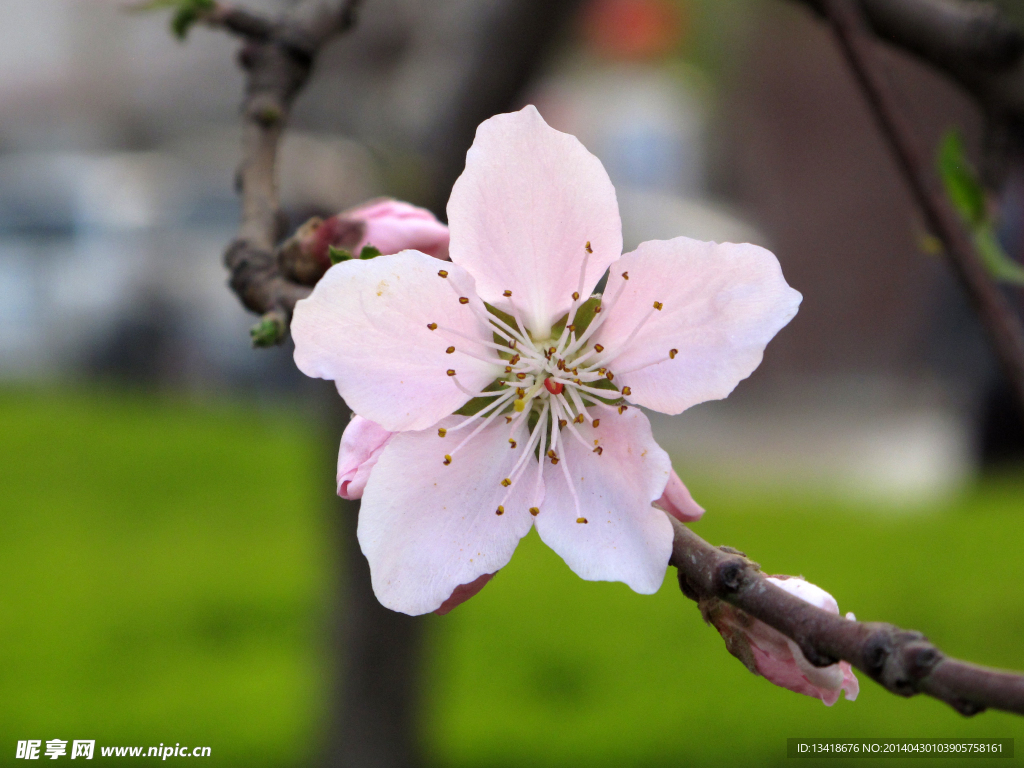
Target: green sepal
961 180
268 331
369 252
338 255
477 404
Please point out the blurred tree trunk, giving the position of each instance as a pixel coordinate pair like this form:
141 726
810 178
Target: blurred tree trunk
378 653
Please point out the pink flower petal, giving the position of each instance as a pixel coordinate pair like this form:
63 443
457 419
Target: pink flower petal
677 501
521 214
721 304
427 528
366 327
361 445
393 226
463 592
624 538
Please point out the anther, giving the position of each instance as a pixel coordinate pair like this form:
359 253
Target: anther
562 423
508 419
609 375
451 371
672 354
598 348
599 450
443 273
506 294
602 371
658 305
447 460
572 328
575 295
582 520
514 360
627 391
506 482
442 432
578 419
551 351
552 454
588 248
554 387
512 442
554 461
597 309
520 393
450 350
500 510
597 422
508 369
432 326
623 408
520 376
534 511
463 300
625 275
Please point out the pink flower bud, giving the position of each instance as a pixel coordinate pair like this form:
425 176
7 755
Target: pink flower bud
361 445
766 651
463 592
393 226
677 501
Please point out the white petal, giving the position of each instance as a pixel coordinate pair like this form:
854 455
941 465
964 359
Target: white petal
427 528
624 538
521 214
721 305
365 327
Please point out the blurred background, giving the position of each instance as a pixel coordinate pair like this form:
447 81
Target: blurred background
168 562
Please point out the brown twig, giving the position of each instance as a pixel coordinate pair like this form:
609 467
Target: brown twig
278 57
998 318
902 661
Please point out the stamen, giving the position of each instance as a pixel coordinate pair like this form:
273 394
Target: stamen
432 326
442 432
451 371
625 275
463 300
581 520
447 459
512 442
507 482
597 422
562 422
672 354
599 450
500 510
626 391
450 350
588 248
575 295
507 293
598 348
623 408
443 273
658 305
534 511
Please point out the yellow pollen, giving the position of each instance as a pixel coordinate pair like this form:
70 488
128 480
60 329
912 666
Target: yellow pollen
520 376
507 293
447 460
432 326
442 432
520 392
534 511
572 328
627 391
450 350
552 454
554 461
443 273
551 351
451 371
581 520
599 450
512 442
658 305
609 375
463 300
514 360
508 369
672 354
625 275
500 510
575 372
506 482
575 295
598 348
562 422
597 422
577 381
519 405
602 371
578 419
622 408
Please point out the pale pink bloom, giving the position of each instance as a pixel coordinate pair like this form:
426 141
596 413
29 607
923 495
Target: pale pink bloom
393 226
773 655
408 341
361 446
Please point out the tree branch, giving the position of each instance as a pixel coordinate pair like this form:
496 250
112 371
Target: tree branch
998 318
903 661
278 56
972 43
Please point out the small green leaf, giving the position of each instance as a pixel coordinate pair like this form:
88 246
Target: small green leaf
961 180
337 255
268 331
996 260
369 252
477 404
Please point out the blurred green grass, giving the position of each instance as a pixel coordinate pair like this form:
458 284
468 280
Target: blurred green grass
164 575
